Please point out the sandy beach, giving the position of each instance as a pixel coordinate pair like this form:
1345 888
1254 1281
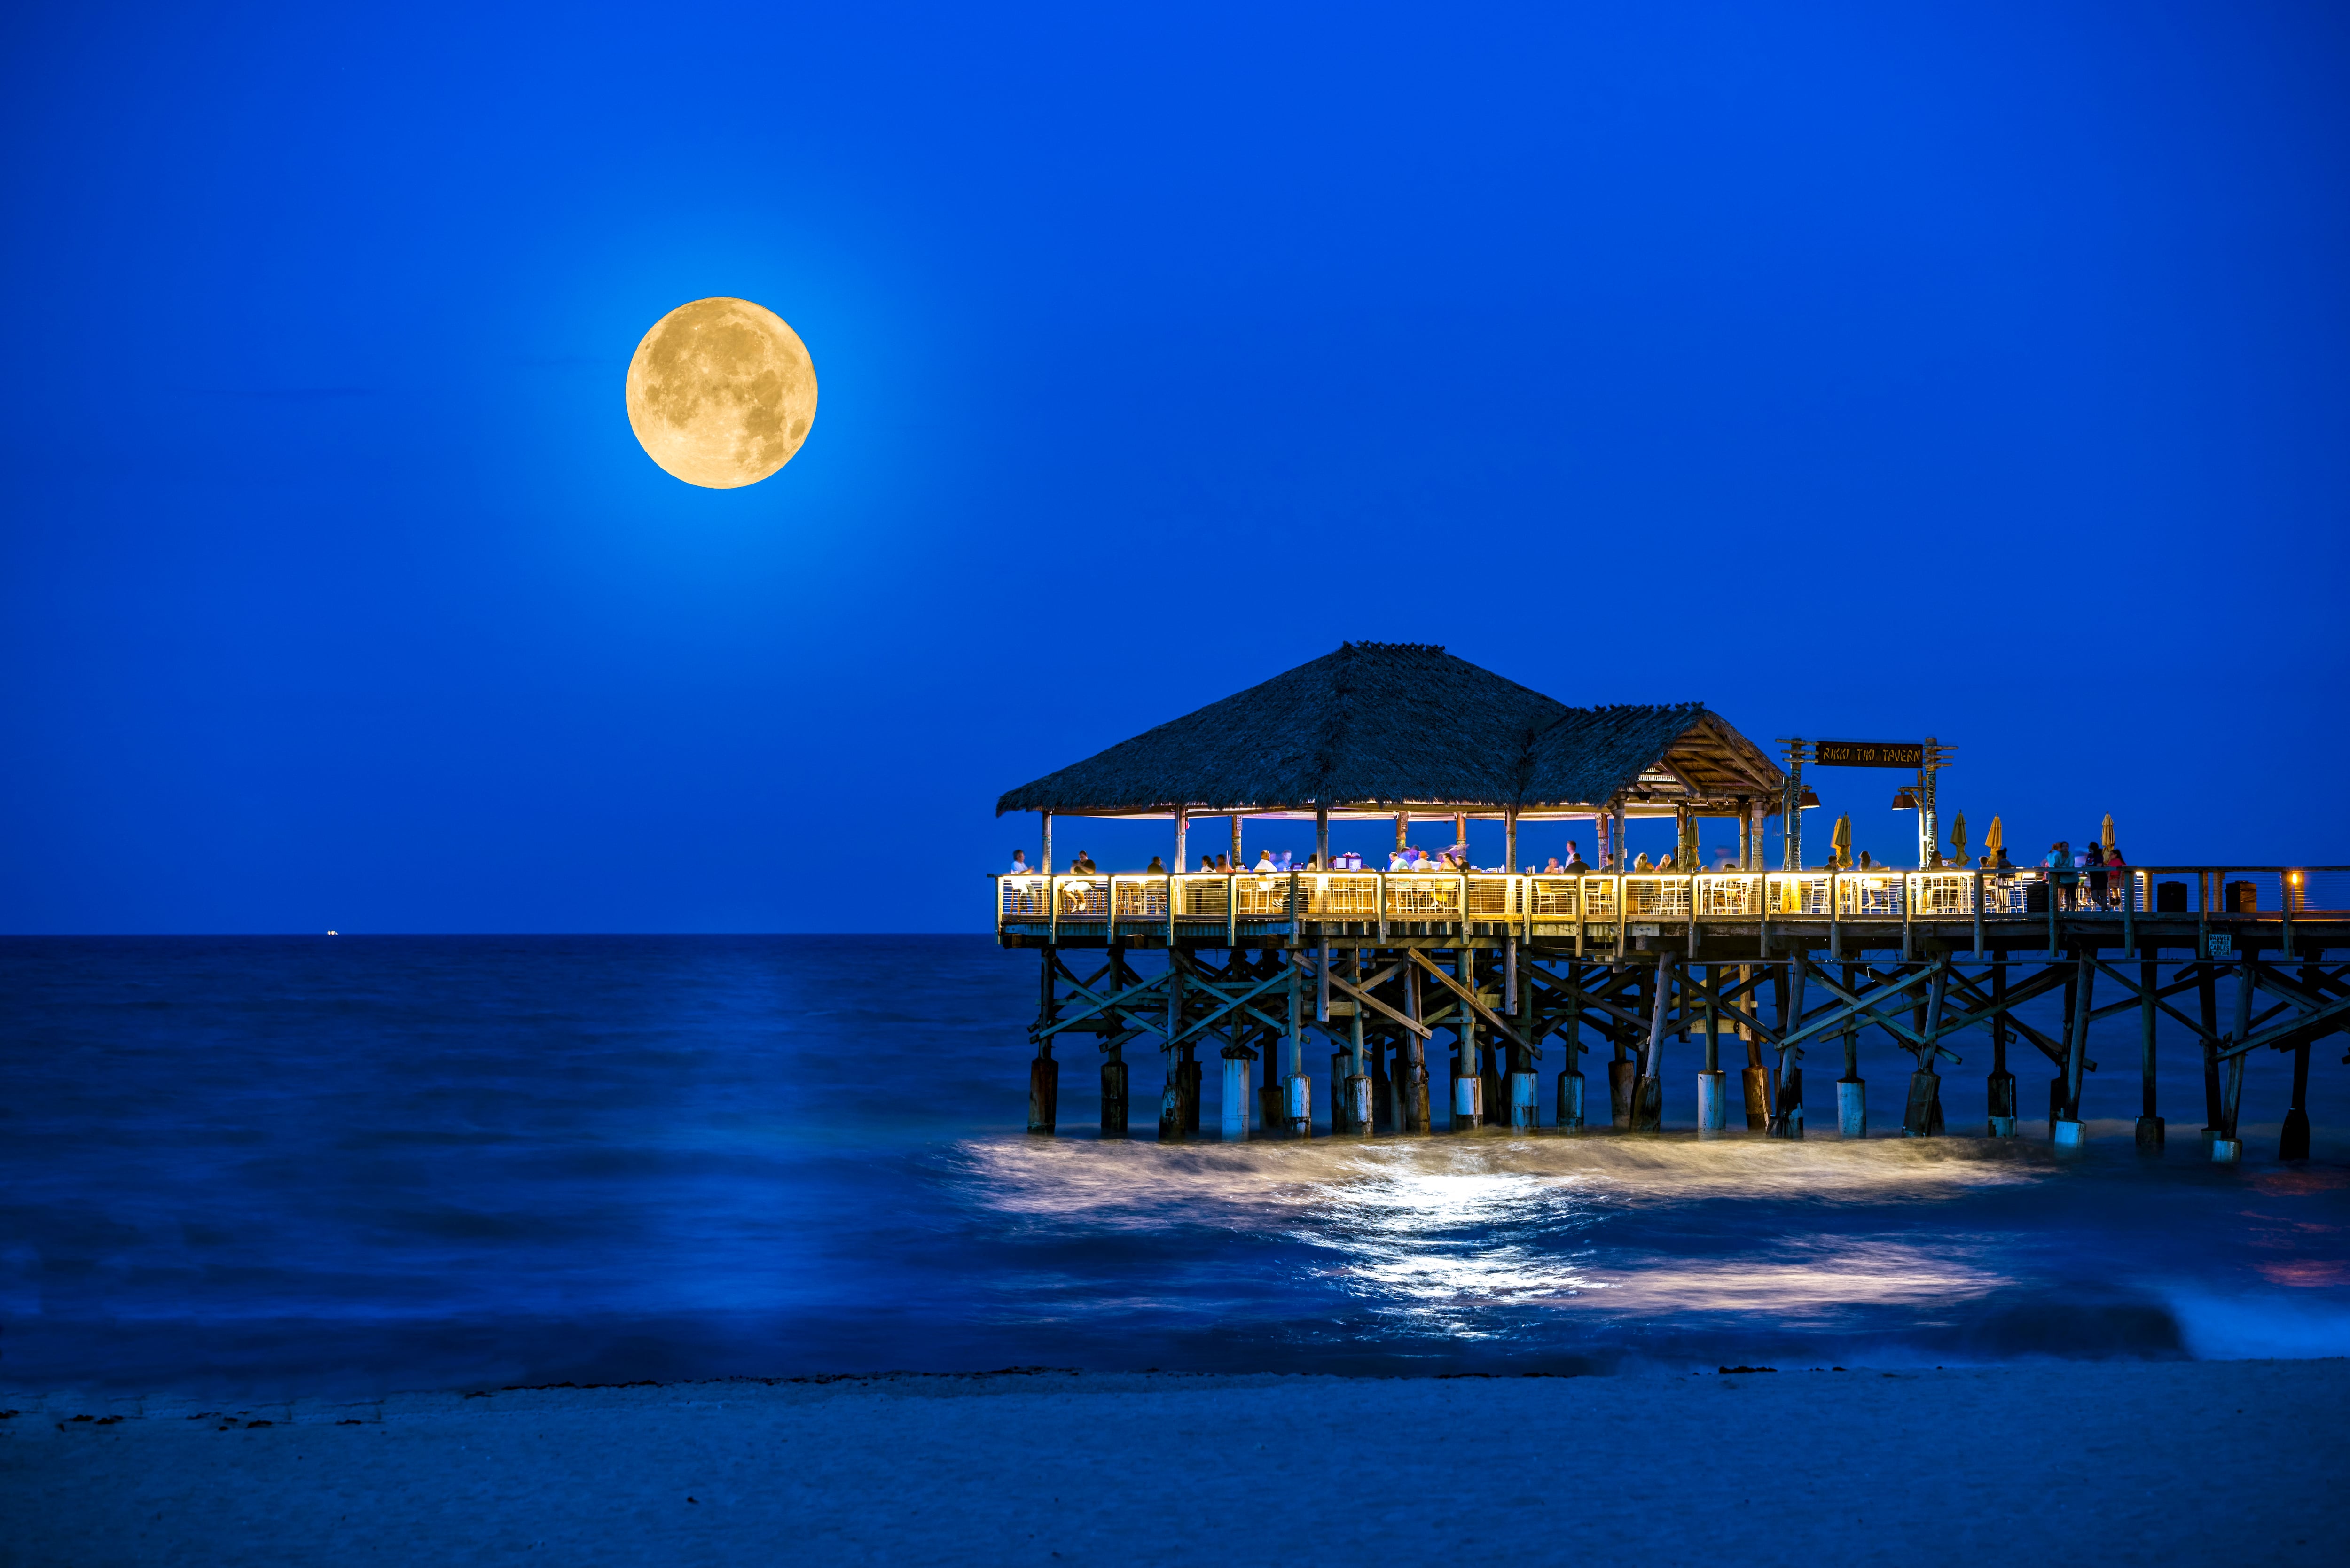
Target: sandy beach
2131 1461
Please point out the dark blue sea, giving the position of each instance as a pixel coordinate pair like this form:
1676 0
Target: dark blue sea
268 1166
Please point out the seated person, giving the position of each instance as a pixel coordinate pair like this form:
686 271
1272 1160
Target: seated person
1083 865
1224 863
1265 863
1207 864
1019 864
1554 869
1640 862
1155 868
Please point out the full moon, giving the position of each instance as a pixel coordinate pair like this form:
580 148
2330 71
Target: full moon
721 392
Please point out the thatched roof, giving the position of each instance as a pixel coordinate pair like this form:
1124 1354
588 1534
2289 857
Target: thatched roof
1383 727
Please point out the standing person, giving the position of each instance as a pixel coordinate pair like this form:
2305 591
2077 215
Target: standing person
2093 861
1575 857
2118 869
2062 878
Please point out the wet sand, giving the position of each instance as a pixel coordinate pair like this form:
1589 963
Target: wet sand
2234 1461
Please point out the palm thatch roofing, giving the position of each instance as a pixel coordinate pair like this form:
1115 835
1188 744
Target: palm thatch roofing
1376 728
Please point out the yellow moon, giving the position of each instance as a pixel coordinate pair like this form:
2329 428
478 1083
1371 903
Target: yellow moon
721 392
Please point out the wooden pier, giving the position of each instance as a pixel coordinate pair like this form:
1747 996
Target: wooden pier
1523 970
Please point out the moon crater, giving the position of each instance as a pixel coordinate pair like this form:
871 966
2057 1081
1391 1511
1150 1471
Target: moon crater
721 392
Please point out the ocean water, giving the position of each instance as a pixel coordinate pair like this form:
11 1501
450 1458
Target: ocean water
263 1166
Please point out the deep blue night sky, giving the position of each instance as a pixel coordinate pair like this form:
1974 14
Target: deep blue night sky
1982 371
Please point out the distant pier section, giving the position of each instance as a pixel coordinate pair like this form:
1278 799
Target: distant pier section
1482 976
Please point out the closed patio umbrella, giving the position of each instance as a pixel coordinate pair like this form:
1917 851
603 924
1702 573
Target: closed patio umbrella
1958 839
1994 842
2106 837
1841 840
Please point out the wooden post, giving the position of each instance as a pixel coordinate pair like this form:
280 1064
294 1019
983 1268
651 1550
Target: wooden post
2150 1126
1923 1115
2295 1142
1045 855
2069 1132
1172 1119
1754 1078
1787 1094
2206 995
2229 1148
1113 1090
1791 813
1623 1073
1852 1092
1240 861
1414 1088
1403 829
1712 1109
1623 854
1358 1082
1298 1109
1510 839
1468 1084
1321 839
1570 1076
1182 853
1648 1087
2001 1086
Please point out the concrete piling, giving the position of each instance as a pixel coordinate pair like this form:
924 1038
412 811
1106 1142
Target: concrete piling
1236 1096
1712 1111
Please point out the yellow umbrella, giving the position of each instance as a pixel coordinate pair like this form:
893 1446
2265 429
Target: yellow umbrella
1958 839
1841 841
2107 840
1994 842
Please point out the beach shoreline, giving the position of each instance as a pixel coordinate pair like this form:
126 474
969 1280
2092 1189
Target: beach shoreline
2148 1459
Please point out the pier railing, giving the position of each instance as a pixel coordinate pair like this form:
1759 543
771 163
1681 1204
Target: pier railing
1191 905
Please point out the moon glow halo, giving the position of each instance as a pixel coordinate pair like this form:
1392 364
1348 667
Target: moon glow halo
721 392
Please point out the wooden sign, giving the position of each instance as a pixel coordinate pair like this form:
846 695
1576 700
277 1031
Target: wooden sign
1869 753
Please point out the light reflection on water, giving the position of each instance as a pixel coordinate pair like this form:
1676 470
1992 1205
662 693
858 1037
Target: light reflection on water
1465 1238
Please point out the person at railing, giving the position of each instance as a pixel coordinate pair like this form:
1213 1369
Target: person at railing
1553 870
1083 865
2118 869
1863 862
1640 864
1666 865
1264 865
2064 877
1574 859
1019 864
1156 868
2092 862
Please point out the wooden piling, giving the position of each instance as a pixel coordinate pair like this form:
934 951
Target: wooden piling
1647 1089
1413 1046
1467 1082
1852 1092
2000 1088
1113 1091
1044 1090
2293 1142
2207 997
2149 1124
